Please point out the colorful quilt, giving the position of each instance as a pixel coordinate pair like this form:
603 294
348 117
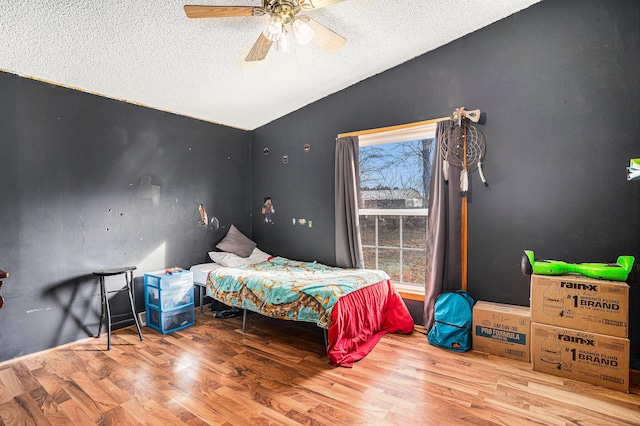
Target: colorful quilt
289 289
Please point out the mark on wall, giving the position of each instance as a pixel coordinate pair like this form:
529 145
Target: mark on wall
268 210
266 151
31 311
307 147
204 220
148 191
285 159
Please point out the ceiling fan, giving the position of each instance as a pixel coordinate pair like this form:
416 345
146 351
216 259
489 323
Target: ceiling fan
283 19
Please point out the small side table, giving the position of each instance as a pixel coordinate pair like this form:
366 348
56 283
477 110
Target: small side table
128 276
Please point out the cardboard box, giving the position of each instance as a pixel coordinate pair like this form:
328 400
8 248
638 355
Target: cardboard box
588 357
581 303
502 330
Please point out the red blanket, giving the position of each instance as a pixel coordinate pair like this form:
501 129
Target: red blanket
361 318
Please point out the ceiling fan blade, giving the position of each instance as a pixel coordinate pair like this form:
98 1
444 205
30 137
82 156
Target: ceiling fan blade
329 40
260 49
317 4
218 11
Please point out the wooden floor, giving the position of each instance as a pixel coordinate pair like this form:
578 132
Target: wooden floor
277 374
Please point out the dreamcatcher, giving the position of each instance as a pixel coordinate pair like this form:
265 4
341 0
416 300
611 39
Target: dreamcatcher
463 145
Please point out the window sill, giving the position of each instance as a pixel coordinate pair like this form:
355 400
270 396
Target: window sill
410 292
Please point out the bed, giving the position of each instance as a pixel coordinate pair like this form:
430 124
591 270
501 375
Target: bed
356 307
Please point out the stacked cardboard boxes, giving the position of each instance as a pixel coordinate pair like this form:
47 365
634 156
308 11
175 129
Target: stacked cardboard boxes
579 329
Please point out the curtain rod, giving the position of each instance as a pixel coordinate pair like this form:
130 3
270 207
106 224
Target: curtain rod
391 128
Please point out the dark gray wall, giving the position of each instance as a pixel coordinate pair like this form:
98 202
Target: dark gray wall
559 84
71 165
301 188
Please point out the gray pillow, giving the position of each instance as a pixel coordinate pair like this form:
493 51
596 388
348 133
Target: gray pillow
237 243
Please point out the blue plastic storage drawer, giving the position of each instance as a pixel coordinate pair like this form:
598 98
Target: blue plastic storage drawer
169 298
166 322
163 280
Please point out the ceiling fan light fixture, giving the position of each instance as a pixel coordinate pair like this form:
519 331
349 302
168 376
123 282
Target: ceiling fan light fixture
274 29
282 44
303 32
283 20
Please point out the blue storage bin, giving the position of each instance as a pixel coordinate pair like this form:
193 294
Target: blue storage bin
168 321
163 280
169 300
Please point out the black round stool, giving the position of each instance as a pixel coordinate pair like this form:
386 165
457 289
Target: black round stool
128 276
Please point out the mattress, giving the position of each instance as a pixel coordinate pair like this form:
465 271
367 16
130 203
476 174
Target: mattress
201 272
289 289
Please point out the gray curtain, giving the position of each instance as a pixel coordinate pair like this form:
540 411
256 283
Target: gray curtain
444 265
347 184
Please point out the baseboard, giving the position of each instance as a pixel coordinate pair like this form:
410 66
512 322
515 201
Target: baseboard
634 378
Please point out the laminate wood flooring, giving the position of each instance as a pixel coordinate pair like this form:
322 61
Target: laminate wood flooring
278 374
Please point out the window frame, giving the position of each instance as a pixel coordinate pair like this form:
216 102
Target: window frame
398 134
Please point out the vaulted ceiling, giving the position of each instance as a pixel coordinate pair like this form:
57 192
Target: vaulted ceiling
151 53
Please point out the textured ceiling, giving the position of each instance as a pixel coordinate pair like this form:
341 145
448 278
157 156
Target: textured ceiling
149 52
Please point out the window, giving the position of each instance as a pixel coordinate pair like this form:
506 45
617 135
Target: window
395 171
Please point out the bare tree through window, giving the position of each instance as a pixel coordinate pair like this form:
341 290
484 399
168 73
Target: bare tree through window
394 191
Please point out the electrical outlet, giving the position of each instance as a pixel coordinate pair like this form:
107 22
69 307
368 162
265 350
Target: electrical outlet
142 318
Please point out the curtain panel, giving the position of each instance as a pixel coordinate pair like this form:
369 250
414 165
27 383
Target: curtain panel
444 247
347 183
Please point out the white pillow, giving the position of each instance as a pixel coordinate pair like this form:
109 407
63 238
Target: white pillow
230 259
258 256
223 258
